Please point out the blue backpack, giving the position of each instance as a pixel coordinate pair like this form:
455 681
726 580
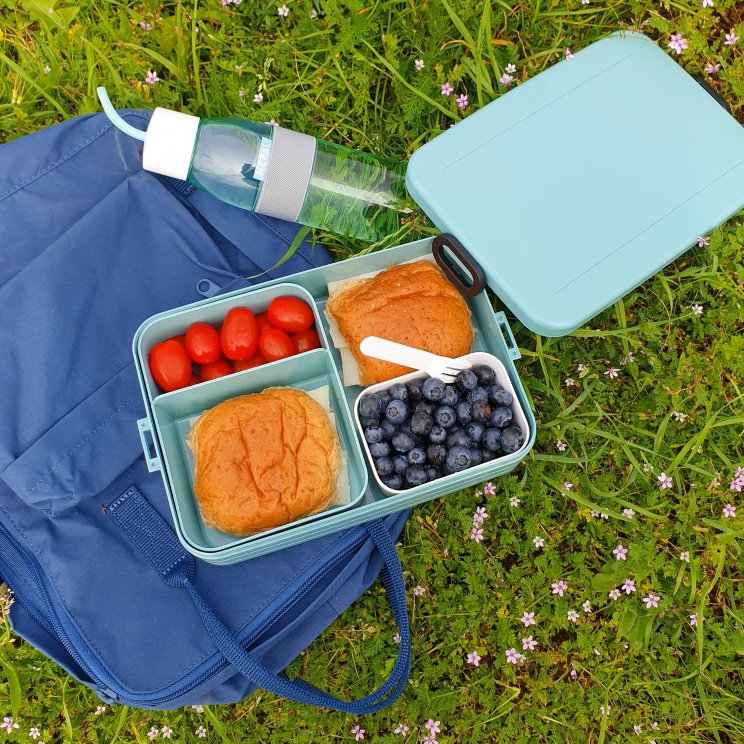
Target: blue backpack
90 246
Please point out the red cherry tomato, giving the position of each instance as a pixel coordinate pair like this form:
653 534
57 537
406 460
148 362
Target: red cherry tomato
239 337
255 361
180 339
276 344
262 323
213 370
290 314
203 343
170 365
306 340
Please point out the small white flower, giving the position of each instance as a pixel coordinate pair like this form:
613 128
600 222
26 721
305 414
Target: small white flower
651 601
637 729
560 445
241 93
201 732
419 64
572 615
655 726
283 11
100 709
665 481
396 639
582 368
539 542
605 710
602 515
152 734
514 501
587 607
511 69
258 97
697 309
313 14
198 708
614 594
569 382
47 69
419 591
629 513
685 556
679 416
693 619
166 732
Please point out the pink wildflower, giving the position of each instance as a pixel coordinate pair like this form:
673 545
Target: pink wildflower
731 39
446 89
433 727
677 43
611 372
462 100
569 55
358 732
527 619
651 601
620 552
489 489
474 658
665 481
506 80
629 586
528 644
712 69
512 657
476 534
729 511
559 587
152 77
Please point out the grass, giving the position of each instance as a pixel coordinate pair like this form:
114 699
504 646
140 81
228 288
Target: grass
349 77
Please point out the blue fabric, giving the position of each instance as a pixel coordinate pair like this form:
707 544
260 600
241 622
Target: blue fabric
90 246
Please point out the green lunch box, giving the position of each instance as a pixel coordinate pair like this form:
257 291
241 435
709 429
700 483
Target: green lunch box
561 196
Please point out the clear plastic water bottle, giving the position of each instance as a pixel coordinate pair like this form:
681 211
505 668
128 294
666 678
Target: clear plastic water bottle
274 171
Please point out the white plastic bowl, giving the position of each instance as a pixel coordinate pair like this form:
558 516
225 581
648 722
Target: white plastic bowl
477 359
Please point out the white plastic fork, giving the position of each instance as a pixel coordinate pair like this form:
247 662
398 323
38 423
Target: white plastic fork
444 368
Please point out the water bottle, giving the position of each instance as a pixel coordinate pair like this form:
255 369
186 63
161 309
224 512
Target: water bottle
273 171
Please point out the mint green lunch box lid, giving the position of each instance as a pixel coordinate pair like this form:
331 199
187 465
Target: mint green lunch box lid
573 188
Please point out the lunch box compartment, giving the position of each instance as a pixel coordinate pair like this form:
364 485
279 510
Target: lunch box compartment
172 323
478 472
175 412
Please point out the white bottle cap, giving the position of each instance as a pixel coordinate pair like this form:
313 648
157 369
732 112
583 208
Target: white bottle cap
169 143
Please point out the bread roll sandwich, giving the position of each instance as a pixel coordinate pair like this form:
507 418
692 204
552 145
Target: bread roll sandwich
413 304
264 460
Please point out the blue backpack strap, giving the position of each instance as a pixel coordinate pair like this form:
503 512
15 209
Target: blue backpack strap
158 544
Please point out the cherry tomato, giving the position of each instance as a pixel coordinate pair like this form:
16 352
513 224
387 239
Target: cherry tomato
213 370
262 323
255 361
239 337
203 343
170 365
276 344
180 339
290 314
306 340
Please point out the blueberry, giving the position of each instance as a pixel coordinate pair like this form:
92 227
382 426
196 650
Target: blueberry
437 435
379 449
480 410
389 429
369 422
421 423
373 435
491 439
445 416
403 442
487 455
485 375
400 464
501 416
464 413
451 396
425 406
369 405
511 439
416 475
416 456
406 427
499 396
393 481
475 431
476 457
466 380
384 465
432 473
458 437
436 453
396 411
398 392
384 397
433 389
414 388
479 393
458 458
